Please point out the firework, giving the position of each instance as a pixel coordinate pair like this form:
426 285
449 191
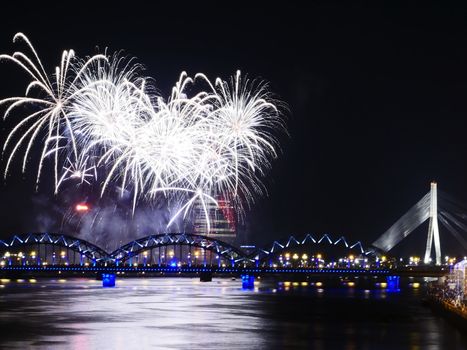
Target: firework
51 115
100 117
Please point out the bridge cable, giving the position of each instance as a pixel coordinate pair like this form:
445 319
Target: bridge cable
413 218
445 219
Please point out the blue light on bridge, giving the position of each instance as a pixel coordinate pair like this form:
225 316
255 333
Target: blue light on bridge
393 283
108 280
248 281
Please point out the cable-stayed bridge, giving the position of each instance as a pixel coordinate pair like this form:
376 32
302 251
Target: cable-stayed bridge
444 209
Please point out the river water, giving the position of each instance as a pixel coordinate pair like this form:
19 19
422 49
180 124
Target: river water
183 313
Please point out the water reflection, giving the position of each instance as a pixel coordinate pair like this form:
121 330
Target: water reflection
182 313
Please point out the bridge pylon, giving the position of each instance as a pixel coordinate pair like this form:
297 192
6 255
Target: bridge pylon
433 229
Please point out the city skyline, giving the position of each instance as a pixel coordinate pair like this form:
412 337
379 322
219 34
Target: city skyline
375 99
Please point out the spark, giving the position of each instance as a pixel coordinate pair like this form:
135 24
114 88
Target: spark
78 170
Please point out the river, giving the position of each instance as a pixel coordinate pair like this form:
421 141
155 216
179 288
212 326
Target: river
183 313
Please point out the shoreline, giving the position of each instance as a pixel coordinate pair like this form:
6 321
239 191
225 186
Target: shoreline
451 313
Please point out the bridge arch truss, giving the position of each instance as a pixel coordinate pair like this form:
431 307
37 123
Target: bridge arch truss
148 243
262 255
33 240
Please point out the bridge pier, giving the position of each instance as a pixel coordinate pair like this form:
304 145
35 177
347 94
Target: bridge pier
393 283
108 280
248 281
205 276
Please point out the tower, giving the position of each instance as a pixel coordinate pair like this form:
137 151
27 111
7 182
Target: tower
433 231
221 217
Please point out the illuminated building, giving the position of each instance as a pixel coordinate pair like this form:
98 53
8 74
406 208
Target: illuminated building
221 218
459 274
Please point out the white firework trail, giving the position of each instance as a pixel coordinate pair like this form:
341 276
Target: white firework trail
100 115
52 115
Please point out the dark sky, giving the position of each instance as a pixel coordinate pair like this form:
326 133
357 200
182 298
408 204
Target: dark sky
377 96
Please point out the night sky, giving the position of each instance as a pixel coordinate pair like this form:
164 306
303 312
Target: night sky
377 98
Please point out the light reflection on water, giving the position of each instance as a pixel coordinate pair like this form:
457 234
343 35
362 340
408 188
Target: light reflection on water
182 313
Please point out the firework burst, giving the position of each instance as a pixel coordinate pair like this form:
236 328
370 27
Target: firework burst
100 115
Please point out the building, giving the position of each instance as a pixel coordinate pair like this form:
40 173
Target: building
221 219
459 274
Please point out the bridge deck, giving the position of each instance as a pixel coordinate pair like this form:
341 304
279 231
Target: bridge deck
193 270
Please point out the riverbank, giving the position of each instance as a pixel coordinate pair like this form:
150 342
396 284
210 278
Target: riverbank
456 315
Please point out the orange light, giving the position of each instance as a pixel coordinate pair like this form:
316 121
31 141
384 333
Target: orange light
82 207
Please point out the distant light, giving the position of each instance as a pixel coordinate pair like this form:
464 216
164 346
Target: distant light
82 207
